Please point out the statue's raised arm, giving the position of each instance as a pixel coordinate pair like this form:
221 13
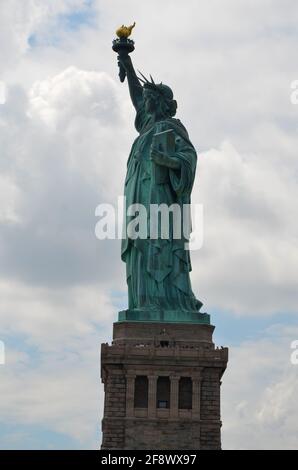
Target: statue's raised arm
123 46
134 84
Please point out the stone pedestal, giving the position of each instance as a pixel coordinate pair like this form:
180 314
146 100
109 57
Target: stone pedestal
174 371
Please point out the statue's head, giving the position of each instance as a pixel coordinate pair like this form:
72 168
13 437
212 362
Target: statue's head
159 99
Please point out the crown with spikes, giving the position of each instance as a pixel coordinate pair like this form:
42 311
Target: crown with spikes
160 88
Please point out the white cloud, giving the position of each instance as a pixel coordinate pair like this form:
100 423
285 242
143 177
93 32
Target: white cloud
52 175
51 375
20 19
2 92
259 391
66 128
75 93
250 250
60 394
61 156
9 194
54 319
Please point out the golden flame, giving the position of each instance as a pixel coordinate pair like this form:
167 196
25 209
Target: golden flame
125 31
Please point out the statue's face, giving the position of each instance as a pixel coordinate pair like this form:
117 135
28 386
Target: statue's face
150 100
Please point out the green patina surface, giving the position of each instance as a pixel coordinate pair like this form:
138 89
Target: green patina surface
174 316
160 170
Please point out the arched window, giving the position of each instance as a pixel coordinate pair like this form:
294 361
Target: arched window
163 392
185 393
141 392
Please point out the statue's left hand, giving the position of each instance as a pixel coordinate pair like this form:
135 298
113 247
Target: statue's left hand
158 157
162 159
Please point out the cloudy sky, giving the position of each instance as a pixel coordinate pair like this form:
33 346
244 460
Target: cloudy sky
66 126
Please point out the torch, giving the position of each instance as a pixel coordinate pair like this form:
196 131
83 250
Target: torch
123 46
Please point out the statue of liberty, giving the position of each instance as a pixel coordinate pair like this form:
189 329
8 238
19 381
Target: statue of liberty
158 269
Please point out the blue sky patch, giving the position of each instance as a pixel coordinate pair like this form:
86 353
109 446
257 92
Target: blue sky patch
75 20
68 22
18 437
